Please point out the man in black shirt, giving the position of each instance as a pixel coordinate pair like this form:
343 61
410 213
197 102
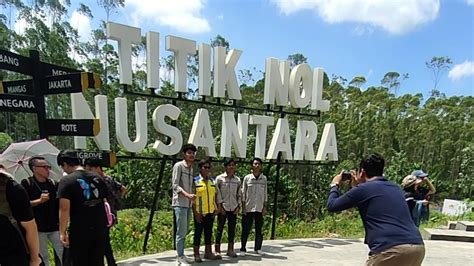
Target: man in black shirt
81 201
115 191
14 248
42 193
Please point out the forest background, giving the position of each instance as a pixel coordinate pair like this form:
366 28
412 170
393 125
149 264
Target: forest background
412 131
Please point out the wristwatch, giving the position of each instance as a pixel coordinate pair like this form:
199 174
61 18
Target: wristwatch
334 185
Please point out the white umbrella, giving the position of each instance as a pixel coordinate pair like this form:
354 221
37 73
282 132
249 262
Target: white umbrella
15 158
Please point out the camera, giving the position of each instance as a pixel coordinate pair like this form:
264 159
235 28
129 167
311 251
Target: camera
346 175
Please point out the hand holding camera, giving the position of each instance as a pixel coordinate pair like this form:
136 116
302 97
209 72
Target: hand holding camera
346 175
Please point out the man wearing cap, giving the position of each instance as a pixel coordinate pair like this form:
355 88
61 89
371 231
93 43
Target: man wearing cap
81 206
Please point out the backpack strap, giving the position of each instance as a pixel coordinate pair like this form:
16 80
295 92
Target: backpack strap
6 211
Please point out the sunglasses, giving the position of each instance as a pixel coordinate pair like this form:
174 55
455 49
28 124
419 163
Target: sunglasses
206 167
44 166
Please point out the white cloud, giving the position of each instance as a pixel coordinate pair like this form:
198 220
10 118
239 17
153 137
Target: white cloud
459 71
184 16
394 16
470 2
82 24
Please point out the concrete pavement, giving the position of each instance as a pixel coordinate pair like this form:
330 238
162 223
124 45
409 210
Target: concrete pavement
320 251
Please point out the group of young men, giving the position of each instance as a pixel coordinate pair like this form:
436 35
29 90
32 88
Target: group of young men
71 214
225 196
81 198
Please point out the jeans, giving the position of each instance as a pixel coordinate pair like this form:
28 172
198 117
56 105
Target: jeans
420 213
183 217
247 221
53 237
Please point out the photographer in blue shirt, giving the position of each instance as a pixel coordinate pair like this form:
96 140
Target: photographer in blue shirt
390 233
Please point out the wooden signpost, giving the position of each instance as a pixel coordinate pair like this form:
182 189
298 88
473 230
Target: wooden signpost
27 95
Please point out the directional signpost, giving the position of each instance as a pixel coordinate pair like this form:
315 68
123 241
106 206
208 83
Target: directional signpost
28 95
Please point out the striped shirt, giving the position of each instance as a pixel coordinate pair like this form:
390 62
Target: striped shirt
254 192
229 191
182 179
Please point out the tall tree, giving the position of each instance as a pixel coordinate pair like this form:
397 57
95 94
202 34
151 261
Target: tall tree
438 65
110 6
392 80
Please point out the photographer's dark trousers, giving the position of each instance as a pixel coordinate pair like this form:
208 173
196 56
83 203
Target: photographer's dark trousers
206 226
87 247
247 221
221 218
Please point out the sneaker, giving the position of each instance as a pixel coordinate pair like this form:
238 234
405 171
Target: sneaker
242 253
183 260
260 252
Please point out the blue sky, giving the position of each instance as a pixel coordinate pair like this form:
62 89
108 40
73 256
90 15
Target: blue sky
345 37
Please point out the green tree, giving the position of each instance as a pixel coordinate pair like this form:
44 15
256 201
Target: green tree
296 59
438 65
357 81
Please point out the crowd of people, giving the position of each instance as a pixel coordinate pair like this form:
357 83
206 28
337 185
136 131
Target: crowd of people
72 215
87 201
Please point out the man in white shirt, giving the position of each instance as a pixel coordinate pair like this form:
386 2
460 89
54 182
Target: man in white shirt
254 201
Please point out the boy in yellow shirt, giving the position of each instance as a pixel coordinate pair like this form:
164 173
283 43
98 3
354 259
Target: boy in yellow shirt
204 209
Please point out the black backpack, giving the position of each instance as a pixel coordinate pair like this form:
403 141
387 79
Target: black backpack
5 210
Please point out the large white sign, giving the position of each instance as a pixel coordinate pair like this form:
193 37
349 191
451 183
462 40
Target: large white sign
300 87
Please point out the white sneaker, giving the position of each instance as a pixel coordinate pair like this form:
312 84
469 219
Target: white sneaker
183 260
261 253
242 253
